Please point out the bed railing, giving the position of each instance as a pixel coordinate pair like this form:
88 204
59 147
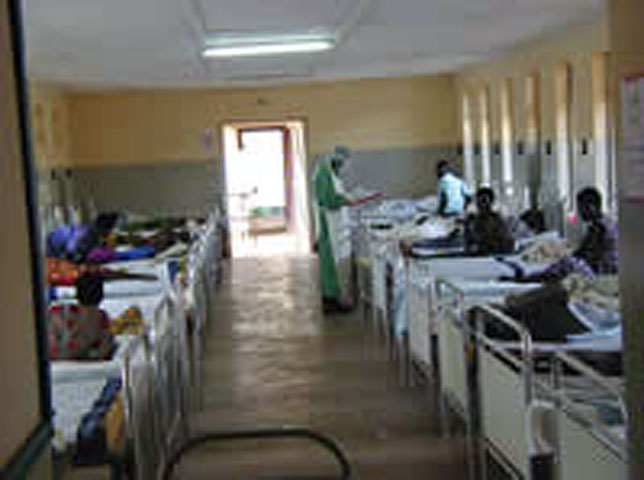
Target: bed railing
588 444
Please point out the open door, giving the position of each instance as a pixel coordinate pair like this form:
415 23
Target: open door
265 162
266 188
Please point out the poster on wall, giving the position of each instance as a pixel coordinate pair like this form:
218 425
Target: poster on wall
632 186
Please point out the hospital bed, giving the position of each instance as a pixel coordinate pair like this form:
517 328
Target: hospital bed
590 422
159 354
158 369
506 386
75 387
370 224
477 275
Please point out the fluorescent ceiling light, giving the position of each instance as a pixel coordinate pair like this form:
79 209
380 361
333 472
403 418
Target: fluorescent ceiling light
259 49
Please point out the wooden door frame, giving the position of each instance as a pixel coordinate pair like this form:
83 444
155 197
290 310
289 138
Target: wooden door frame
287 154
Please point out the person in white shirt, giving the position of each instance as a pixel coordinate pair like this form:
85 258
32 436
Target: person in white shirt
453 194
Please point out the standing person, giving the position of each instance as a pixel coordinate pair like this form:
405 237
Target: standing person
334 237
453 194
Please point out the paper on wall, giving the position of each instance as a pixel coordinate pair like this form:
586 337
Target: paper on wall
633 138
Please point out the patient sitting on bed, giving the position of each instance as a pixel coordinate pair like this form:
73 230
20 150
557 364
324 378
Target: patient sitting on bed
597 253
486 232
81 332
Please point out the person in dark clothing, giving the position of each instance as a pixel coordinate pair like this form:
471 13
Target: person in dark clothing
486 232
596 254
599 246
534 219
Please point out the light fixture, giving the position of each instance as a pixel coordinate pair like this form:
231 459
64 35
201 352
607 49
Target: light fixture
266 49
236 45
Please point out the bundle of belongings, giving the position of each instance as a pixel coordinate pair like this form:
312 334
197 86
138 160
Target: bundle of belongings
65 273
130 322
546 250
102 430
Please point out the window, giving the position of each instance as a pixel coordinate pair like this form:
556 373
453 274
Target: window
468 140
507 135
486 148
604 162
563 93
533 134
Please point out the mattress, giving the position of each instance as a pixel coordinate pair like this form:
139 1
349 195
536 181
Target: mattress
143 267
583 343
116 289
70 371
476 268
70 402
477 290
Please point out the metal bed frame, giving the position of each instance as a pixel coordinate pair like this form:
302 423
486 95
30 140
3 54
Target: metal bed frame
587 447
508 393
421 313
327 443
504 387
141 419
162 367
380 322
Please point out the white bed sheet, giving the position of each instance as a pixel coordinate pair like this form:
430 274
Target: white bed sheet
475 268
66 371
483 290
606 344
70 402
118 289
143 267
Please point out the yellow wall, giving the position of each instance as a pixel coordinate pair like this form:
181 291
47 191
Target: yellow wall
575 46
50 125
134 127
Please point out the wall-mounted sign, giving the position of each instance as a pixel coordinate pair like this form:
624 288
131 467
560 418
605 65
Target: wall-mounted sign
632 185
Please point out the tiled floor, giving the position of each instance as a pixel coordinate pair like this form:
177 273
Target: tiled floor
272 359
269 245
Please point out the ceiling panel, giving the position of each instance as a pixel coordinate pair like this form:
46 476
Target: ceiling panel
280 15
264 67
158 42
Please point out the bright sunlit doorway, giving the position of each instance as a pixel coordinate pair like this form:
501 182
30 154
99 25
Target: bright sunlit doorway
266 189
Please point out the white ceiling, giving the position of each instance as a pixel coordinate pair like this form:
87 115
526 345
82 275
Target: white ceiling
140 43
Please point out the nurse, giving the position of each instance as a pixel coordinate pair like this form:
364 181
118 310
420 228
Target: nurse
334 237
333 231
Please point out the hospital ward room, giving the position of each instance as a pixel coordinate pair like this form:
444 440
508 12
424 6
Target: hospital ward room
322 239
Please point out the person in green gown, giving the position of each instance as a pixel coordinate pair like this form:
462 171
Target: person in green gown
333 232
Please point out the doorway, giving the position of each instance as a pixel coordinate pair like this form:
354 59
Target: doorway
266 189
